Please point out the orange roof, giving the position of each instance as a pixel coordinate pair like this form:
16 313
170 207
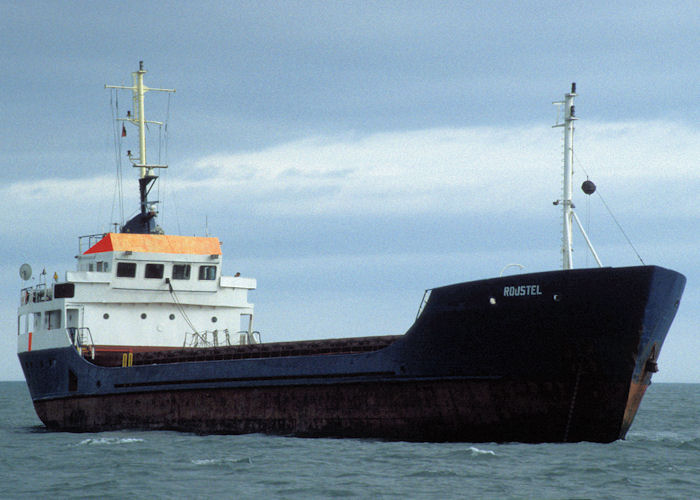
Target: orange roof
156 243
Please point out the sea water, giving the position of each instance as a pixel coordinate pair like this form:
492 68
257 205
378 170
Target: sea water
659 459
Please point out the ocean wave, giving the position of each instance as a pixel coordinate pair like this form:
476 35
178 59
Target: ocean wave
108 441
468 453
476 451
219 461
206 461
681 438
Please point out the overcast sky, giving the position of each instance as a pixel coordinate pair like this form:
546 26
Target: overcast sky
352 154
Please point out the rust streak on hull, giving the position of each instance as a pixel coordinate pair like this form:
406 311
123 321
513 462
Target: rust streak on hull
636 393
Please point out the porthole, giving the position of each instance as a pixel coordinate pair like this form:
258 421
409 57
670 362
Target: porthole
172 316
556 297
492 301
143 315
105 316
213 319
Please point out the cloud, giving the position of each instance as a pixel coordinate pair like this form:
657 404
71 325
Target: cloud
52 205
457 170
641 151
454 171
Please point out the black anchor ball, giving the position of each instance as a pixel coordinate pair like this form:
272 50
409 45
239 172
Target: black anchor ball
588 187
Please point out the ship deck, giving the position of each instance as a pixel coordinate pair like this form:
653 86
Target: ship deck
113 356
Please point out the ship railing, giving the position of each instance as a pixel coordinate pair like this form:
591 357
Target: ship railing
37 293
26 295
424 301
88 241
249 337
81 338
220 338
207 338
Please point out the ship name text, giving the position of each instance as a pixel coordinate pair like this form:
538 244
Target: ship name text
519 291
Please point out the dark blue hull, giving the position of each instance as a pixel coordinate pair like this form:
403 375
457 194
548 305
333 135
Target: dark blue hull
555 356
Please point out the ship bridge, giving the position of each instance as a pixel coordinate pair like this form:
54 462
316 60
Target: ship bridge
141 291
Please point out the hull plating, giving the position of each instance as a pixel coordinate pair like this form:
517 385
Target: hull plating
558 356
417 410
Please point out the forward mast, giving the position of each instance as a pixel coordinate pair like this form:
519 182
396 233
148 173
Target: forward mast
568 214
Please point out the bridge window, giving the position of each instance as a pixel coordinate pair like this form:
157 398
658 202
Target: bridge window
181 271
64 290
154 271
126 269
207 272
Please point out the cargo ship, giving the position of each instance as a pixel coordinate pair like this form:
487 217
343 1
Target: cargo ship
147 333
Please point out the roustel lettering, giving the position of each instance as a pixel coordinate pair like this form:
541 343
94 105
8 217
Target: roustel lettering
521 290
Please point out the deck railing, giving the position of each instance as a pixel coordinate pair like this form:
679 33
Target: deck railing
81 338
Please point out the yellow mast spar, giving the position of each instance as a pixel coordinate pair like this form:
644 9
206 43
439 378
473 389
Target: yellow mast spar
146 171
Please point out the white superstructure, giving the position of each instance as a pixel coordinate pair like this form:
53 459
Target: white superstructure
138 289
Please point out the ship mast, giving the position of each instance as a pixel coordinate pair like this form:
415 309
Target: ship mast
144 221
568 214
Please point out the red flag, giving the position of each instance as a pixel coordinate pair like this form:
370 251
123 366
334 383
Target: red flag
123 131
